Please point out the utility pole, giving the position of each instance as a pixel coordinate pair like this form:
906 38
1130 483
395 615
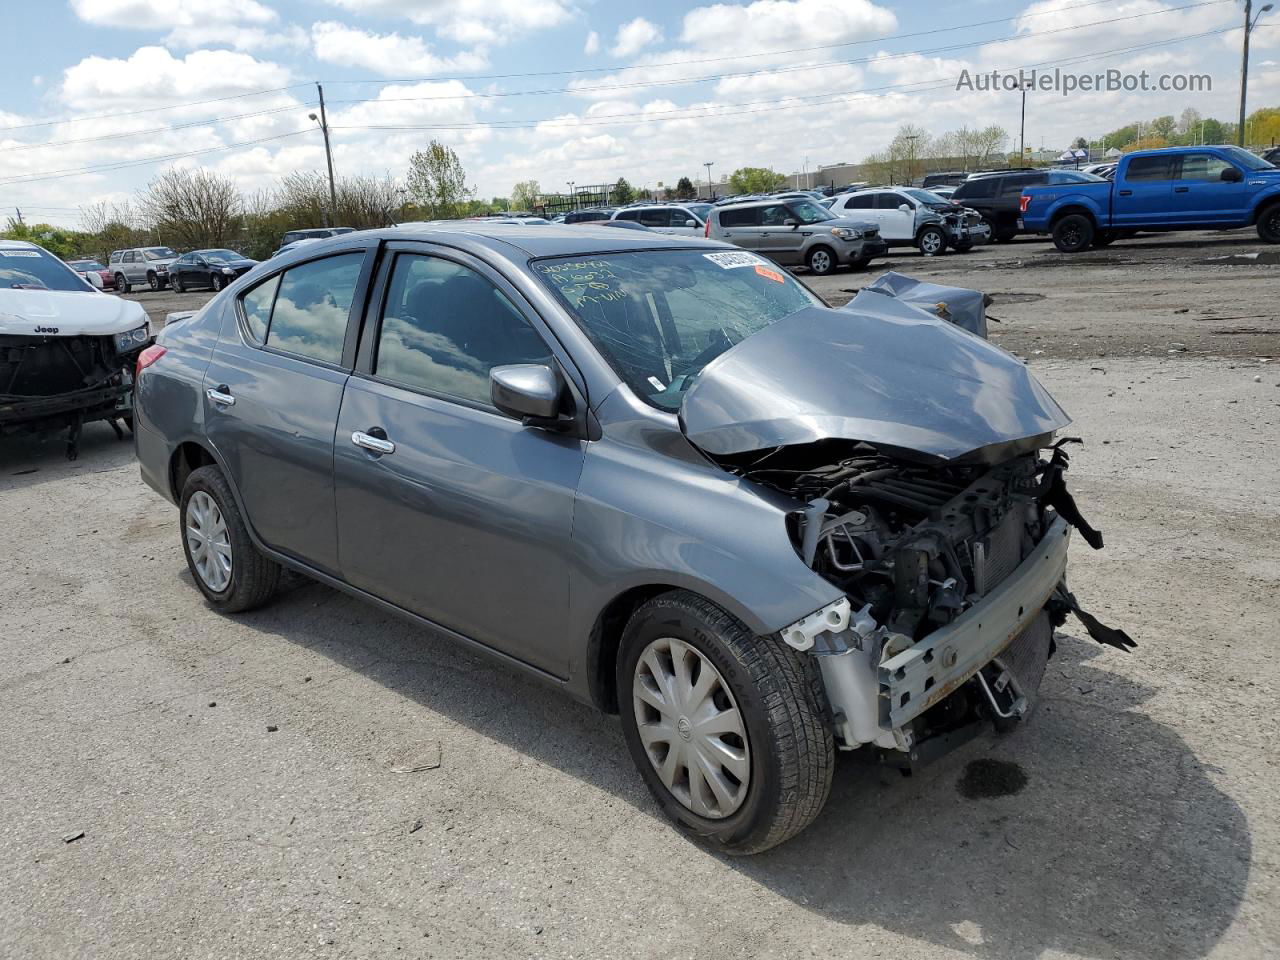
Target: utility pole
709 164
1022 128
323 120
1250 21
18 211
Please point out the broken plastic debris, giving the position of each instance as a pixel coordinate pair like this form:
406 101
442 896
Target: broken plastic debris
72 837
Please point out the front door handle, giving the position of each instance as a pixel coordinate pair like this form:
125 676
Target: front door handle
1181 189
221 395
372 443
1126 193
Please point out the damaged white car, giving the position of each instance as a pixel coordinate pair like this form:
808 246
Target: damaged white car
67 351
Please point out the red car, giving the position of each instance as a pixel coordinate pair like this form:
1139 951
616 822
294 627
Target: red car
94 272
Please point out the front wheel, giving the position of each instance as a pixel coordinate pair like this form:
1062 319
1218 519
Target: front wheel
821 261
154 280
226 566
1269 224
1073 233
178 285
215 281
931 241
728 729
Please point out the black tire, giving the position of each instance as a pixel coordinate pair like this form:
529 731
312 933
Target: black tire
821 261
254 578
178 285
122 285
154 280
932 241
1004 235
1269 224
1073 233
215 281
780 696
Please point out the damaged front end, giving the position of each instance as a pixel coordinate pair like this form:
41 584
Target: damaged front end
934 498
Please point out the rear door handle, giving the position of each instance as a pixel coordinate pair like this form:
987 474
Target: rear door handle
221 395
1126 193
372 443
1181 189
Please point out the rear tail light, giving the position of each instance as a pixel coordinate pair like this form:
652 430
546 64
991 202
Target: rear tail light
147 357
1023 202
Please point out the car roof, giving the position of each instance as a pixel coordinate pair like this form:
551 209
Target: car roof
19 245
531 241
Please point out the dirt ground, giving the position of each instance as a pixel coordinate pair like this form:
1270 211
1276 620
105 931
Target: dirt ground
1136 816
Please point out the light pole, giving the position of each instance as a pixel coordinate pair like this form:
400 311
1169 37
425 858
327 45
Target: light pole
323 120
1250 21
1022 126
709 164
573 197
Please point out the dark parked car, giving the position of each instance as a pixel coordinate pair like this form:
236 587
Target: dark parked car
314 233
997 195
1272 156
587 216
635 467
951 178
213 269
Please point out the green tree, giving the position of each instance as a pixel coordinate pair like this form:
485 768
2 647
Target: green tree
1080 143
755 180
67 244
622 192
437 182
1162 127
525 195
685 189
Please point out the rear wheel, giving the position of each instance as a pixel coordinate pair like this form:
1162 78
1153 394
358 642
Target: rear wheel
728 729
1269 224
122 285
1073 233
821 260
226 566
931 241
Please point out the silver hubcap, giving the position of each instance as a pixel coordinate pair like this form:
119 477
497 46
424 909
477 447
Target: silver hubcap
691 728
821 262
931 242
208 541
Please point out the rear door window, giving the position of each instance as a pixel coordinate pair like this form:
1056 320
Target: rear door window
863 201
976 189
1012 185
655 217
311 308
1150 168
748 217
256 307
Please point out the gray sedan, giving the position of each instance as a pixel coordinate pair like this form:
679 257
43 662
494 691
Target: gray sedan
658 473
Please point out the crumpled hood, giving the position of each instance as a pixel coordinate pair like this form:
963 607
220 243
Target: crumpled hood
67 313
882 372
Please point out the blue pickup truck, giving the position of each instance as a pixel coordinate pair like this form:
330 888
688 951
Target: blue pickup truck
1176 188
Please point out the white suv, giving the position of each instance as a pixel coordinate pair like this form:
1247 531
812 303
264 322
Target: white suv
148 265
682 220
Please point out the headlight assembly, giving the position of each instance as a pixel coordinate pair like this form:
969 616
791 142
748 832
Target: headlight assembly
846 233
132 338
228 271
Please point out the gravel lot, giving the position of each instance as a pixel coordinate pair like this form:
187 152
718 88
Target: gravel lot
1148 825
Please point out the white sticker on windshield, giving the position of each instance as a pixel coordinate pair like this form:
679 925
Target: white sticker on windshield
657 384
19 253
727 261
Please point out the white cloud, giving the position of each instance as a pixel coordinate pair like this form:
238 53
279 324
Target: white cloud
466 21
159 14
779 24
635 36
237 36
152 76
592 45
385 53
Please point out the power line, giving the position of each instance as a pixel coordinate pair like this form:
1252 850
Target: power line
134 113
77 172
784 103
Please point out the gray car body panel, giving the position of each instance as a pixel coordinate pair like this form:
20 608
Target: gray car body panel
878 370
571 523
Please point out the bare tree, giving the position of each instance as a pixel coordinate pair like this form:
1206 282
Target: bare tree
525 194
192 208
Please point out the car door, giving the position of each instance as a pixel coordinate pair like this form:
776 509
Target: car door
896 225
1200 195
1143 195
740 226
462 515
129 266
273 388
776 240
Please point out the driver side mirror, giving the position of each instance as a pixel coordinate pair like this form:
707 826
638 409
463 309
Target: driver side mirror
529 392
904 207
1232 175
691 223
791 223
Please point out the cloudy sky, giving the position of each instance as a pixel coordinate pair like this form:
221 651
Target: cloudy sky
100 95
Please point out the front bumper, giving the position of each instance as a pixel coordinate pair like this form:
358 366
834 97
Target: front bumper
873 247
922 676
99 403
